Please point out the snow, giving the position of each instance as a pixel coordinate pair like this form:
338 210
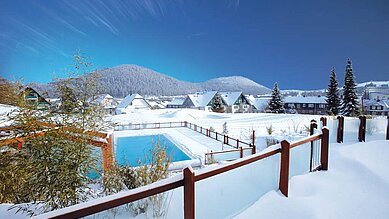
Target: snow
356 186
128 100
176 102
202 99
302 99
376 83
230 97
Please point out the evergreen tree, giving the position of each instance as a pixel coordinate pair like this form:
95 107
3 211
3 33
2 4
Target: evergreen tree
276 105
333 99
350 105
217 104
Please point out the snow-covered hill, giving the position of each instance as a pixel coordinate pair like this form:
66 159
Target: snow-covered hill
122 80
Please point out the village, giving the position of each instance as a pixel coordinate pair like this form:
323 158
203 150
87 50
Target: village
373 98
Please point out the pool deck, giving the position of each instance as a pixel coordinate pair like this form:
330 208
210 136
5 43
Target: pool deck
192 143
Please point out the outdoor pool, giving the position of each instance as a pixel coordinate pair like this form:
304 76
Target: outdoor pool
131 149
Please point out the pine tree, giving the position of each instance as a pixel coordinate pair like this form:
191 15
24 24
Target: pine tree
333 99
276 105
350 105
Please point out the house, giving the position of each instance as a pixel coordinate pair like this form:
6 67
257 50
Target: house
132 103
156 104
260 104
376 107
176 103
33 98
203 100
376 93
235 102
107 102
315 105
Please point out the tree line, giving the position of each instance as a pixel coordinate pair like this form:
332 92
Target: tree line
346 104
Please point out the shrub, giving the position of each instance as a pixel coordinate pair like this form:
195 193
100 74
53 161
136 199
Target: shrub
269 129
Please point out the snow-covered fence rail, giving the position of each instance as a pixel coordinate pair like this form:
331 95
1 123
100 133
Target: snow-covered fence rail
361 129
227 155
233 142
206 189
155 125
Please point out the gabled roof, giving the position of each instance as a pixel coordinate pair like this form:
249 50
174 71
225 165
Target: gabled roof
260 103
201 99
100 98
230 97
384 103
40 97
176 102
302 99
128 100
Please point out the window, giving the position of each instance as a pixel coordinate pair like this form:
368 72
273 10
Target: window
245 106
236 107
321 106
311 105
298 106
304 105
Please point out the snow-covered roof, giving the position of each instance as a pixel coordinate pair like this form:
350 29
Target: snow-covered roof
100 98
176 102
384 103
128 100
201 99
307 99
230 97
260 103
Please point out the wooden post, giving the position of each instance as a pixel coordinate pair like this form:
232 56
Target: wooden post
253 149
387 129
253 141
312 128
339 136
216 135
201 129
323 121
362 128
237 143
189 193
324 149
241 152
284 168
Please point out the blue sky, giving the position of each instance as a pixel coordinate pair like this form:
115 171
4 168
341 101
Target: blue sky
294 43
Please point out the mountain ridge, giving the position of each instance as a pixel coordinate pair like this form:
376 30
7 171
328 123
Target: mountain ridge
121 80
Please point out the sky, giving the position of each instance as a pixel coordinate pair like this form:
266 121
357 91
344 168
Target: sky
294 43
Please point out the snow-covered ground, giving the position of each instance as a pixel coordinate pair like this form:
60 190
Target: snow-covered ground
356 186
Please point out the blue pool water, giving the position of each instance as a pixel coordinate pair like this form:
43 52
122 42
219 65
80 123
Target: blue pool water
131 149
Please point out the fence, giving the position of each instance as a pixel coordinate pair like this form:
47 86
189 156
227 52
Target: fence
361 129
255 176
156 125
242 148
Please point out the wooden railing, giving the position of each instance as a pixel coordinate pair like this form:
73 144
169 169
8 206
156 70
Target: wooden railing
240 145
361 128
188 179
233 142
155 125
